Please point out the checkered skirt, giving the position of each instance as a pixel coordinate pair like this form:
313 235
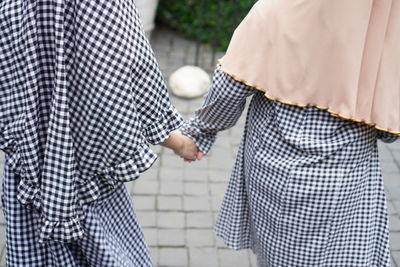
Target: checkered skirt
306 189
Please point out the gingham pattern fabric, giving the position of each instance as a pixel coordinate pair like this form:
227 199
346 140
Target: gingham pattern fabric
81 96
387 137
112 235
306 189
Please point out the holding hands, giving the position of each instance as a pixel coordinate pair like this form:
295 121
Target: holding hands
188 150
183 146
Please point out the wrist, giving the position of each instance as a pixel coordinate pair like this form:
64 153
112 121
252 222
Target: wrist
180 146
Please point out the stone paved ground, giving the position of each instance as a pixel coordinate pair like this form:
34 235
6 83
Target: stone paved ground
177 203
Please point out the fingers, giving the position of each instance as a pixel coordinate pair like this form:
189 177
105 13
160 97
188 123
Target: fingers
190 150
199 156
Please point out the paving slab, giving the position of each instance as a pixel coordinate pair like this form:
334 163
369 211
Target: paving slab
171 238
173 220
173 257
203 257
200 238
170 203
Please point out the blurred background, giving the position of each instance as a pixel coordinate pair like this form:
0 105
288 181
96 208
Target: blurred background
177 203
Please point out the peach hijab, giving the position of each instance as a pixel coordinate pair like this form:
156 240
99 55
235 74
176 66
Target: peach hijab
338 55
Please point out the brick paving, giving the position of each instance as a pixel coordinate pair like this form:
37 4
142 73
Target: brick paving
177 203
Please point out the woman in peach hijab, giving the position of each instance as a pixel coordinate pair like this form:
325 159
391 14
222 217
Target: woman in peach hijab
324 76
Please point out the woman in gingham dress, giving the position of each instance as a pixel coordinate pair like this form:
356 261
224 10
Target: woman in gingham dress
306 189
81 98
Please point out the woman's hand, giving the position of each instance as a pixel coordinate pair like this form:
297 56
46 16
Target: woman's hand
183 146
199 157
187 150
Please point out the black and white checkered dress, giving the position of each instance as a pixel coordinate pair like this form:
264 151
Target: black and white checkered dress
81 97
306 189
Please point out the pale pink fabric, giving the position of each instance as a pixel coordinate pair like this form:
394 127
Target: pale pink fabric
340 55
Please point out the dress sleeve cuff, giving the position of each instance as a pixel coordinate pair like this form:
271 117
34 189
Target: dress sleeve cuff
158 131
203 140
62 231
69 227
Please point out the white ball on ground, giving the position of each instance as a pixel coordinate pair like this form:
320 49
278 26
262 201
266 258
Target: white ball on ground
189 82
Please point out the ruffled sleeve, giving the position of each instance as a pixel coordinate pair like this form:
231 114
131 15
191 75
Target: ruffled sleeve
61 231
156 113
221 109
200 133
158 117
157 129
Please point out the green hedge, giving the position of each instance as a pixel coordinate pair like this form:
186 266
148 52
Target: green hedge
183 15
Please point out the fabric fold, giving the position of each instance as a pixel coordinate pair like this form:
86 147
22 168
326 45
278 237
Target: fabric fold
29 194
62 231
90 189
107 179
